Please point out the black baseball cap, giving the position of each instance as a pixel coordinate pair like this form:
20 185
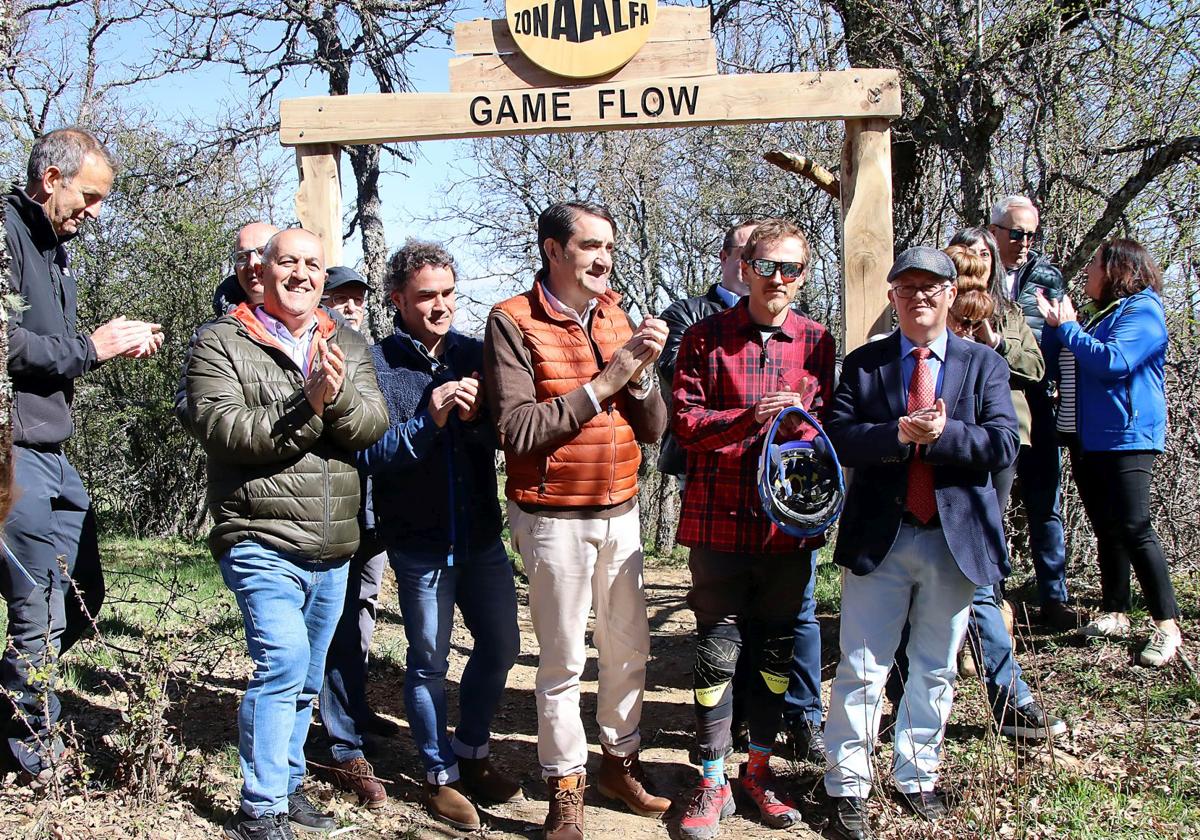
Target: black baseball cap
337 276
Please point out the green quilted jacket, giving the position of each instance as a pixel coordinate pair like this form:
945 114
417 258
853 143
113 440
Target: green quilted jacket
278 473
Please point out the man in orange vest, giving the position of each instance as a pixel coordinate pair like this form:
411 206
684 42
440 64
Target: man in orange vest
573 391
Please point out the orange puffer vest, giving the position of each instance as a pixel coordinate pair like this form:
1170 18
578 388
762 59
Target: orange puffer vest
598 466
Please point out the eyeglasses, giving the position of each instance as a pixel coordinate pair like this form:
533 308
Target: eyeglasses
243 256
927 292
968 324
788 271
1018 235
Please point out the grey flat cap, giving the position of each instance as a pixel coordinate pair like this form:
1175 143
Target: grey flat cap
340 275
921 258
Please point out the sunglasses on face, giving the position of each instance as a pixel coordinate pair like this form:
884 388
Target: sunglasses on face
788 271
927 292
969 325
1018 235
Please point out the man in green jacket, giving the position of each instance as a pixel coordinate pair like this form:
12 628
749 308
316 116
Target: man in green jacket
281 397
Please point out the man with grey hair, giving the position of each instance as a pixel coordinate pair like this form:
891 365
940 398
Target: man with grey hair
441 449
282 397
1014 223
70 173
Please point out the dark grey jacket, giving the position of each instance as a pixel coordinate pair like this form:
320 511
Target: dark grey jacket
1037 273
278 473
45 352
679 316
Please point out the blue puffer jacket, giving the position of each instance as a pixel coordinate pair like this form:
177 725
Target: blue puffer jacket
1119 394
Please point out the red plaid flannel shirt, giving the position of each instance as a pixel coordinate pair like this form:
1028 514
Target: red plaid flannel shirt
723 369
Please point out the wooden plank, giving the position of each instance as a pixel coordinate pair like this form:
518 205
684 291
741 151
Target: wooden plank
513 71
319 196
867 246
482 36
705 100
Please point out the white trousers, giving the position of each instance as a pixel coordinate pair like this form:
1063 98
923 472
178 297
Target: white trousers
576 566
920 583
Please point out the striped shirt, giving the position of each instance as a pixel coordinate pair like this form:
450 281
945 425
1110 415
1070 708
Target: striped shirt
1065 424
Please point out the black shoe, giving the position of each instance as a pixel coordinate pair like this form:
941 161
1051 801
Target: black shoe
1061 617
305 816
1030 723
928 805
848 818
241 826
381 726
806 742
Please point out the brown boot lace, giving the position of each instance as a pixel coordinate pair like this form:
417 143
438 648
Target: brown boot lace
569 805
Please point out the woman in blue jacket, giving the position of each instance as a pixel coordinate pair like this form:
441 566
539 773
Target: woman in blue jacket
1112 415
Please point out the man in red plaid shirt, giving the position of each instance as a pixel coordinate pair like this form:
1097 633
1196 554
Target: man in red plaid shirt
736 370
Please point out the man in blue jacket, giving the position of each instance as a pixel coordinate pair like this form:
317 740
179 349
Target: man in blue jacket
924 418
441 450
69 175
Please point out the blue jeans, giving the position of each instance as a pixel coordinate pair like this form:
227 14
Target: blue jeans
344 710
51 517
803 698
290 608
993 650
482 586
1039 487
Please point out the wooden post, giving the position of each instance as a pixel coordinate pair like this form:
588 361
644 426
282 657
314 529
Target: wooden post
867 247
319 197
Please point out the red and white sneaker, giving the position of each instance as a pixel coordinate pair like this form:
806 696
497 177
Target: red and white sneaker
708 803
776 811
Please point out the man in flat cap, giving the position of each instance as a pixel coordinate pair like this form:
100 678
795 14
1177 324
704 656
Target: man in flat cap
346 294
924 418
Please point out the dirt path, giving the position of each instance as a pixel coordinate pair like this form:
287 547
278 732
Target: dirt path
666 732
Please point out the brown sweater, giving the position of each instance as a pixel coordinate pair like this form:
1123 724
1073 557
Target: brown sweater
531 428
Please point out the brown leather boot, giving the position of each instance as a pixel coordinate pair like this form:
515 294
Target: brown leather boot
358 777
448 804
483 781
624 779
565 818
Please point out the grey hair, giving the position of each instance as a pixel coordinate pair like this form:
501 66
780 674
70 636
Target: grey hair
1000 208
411 258
65 150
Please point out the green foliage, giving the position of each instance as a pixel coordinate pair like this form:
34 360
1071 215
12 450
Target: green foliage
157 253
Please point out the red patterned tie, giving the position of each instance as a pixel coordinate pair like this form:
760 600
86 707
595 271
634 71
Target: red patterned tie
920 501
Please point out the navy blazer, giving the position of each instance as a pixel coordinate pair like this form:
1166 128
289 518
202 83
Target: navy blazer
980 437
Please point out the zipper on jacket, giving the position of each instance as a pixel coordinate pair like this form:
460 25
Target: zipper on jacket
325 494
542 470
612 448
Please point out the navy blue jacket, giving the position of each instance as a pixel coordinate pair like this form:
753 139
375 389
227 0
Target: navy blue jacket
435 488
45 351
1120 393
980 437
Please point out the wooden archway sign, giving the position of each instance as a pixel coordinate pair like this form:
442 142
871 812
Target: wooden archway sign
672 81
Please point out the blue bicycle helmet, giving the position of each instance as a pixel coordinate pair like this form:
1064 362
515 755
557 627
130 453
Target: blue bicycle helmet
800 482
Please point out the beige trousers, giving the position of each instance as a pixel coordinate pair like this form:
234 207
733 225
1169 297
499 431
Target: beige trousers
574 565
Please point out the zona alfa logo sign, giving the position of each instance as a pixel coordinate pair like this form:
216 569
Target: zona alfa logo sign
580 39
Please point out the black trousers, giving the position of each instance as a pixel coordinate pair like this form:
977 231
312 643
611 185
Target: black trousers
1115 490
49 607
745 606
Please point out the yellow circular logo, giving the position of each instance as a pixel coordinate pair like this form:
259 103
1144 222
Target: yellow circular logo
580 38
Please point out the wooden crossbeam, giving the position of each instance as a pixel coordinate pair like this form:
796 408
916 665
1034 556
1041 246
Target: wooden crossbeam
513 71
675 23
708 100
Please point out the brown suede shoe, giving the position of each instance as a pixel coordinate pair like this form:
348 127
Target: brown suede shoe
357 776
565 818
483 781
448 804
624 779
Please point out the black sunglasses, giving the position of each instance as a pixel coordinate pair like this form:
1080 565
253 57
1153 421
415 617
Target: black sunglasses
1016 234
766 268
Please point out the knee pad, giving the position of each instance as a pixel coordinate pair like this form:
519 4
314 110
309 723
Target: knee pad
775 659
716 660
